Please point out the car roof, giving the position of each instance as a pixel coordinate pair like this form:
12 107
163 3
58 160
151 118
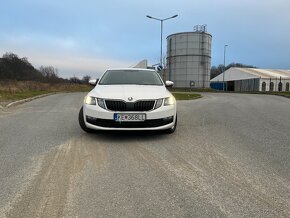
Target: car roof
143 69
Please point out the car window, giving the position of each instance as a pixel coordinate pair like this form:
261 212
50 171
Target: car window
130 77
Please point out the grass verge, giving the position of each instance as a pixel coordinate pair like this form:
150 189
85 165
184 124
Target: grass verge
284 94
174 89
185 95
17 90
4 96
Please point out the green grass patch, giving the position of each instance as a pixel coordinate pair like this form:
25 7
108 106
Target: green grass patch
21 95
284 94
174 89
185 95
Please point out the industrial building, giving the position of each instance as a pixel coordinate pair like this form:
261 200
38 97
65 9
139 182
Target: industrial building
252 79
189 58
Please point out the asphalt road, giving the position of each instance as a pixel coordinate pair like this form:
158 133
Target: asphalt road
230 157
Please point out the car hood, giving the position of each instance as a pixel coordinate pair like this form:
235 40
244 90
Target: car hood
126 91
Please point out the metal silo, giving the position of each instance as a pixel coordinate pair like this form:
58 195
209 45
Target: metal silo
189 58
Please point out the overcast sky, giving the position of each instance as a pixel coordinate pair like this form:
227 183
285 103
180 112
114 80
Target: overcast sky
87 36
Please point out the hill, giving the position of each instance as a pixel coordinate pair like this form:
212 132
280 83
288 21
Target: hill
14 68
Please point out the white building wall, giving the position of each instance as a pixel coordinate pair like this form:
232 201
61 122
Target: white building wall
276 82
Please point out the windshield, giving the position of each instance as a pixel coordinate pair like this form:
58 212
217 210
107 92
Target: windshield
130 77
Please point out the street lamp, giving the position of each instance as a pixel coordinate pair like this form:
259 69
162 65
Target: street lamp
224 66
161 21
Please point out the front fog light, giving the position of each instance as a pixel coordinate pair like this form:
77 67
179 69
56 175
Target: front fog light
158 103
101 103
169 101
168 118
90 100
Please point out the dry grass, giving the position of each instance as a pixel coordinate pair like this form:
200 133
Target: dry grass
14 90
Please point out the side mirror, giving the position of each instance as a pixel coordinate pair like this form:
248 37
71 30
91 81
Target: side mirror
169 83
93 82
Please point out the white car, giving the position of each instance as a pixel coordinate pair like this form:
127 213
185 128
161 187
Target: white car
129 99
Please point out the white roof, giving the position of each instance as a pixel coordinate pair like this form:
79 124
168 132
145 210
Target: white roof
142 64
236 73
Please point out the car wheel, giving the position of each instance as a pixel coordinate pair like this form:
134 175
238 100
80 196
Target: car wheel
82 122
173 128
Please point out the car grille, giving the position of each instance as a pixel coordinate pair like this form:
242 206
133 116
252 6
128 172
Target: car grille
142 124
115 105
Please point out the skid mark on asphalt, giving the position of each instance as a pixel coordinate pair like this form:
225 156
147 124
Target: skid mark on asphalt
220 181
175 168
47 196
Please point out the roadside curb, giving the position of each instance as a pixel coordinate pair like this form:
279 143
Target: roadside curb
14 103
192 99
197 96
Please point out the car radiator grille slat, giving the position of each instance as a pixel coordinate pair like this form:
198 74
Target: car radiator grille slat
116 105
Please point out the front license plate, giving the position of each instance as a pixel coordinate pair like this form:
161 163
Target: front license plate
129 117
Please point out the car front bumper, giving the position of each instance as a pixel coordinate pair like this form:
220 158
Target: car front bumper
101 119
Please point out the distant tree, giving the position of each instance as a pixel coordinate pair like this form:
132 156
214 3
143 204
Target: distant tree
14 68
5 71
25 60
86 79
49 73
215 71
239 65
10 56
75 80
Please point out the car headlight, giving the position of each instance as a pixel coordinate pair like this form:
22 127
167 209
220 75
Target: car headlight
90 100
158 103
101 103
169 101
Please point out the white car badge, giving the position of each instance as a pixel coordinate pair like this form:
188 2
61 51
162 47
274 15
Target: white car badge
130 98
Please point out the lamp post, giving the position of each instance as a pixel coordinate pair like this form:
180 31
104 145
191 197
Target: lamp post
161 21
225 47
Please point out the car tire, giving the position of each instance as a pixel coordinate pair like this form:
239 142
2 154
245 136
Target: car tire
82 122
172 129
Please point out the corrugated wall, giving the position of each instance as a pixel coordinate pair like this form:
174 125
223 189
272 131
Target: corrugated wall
189 59
248 85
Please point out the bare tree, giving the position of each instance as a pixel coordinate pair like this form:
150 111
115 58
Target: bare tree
75 79
10 56
86 79
15 68
49 73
